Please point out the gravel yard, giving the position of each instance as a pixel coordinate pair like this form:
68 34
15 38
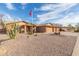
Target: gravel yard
41 45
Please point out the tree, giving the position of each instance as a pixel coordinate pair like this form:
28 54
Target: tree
2 24
77 27
70 27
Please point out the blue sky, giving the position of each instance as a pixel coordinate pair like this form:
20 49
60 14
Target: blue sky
61 13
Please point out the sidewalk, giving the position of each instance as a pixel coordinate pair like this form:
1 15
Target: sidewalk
76 48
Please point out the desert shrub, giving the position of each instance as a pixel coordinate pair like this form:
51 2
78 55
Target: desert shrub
76 31
29 32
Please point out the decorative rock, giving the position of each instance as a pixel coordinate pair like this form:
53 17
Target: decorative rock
2 50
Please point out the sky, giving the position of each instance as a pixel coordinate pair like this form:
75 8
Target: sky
61 13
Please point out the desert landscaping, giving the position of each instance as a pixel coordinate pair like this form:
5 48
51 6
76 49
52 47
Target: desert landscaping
42 44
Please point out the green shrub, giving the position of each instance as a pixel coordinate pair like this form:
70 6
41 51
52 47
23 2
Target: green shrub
29 32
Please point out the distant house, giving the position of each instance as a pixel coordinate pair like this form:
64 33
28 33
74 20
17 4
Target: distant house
67 29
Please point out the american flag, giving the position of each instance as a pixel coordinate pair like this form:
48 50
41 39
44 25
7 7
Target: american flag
30 13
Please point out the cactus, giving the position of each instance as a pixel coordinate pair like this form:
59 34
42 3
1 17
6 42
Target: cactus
12 32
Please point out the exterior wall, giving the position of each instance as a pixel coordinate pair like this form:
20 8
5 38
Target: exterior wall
48 29
40 29
57 30
21 26
52 29
28 28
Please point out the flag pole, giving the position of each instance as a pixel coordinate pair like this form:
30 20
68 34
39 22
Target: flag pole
32 21
31 14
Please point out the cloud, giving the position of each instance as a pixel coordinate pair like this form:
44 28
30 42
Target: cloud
71 18
19 19
23 5
45 7
8 18
52 7
9 6
55 11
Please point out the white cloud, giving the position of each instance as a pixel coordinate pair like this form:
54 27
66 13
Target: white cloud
7 19
23 5
19 19
54 13
46 7
52 7
10 6
71 18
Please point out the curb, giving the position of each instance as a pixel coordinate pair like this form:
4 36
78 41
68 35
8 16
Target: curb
76 48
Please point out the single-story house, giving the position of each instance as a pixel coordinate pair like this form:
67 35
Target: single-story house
23 26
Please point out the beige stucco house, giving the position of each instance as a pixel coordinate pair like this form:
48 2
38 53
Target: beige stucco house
42 28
